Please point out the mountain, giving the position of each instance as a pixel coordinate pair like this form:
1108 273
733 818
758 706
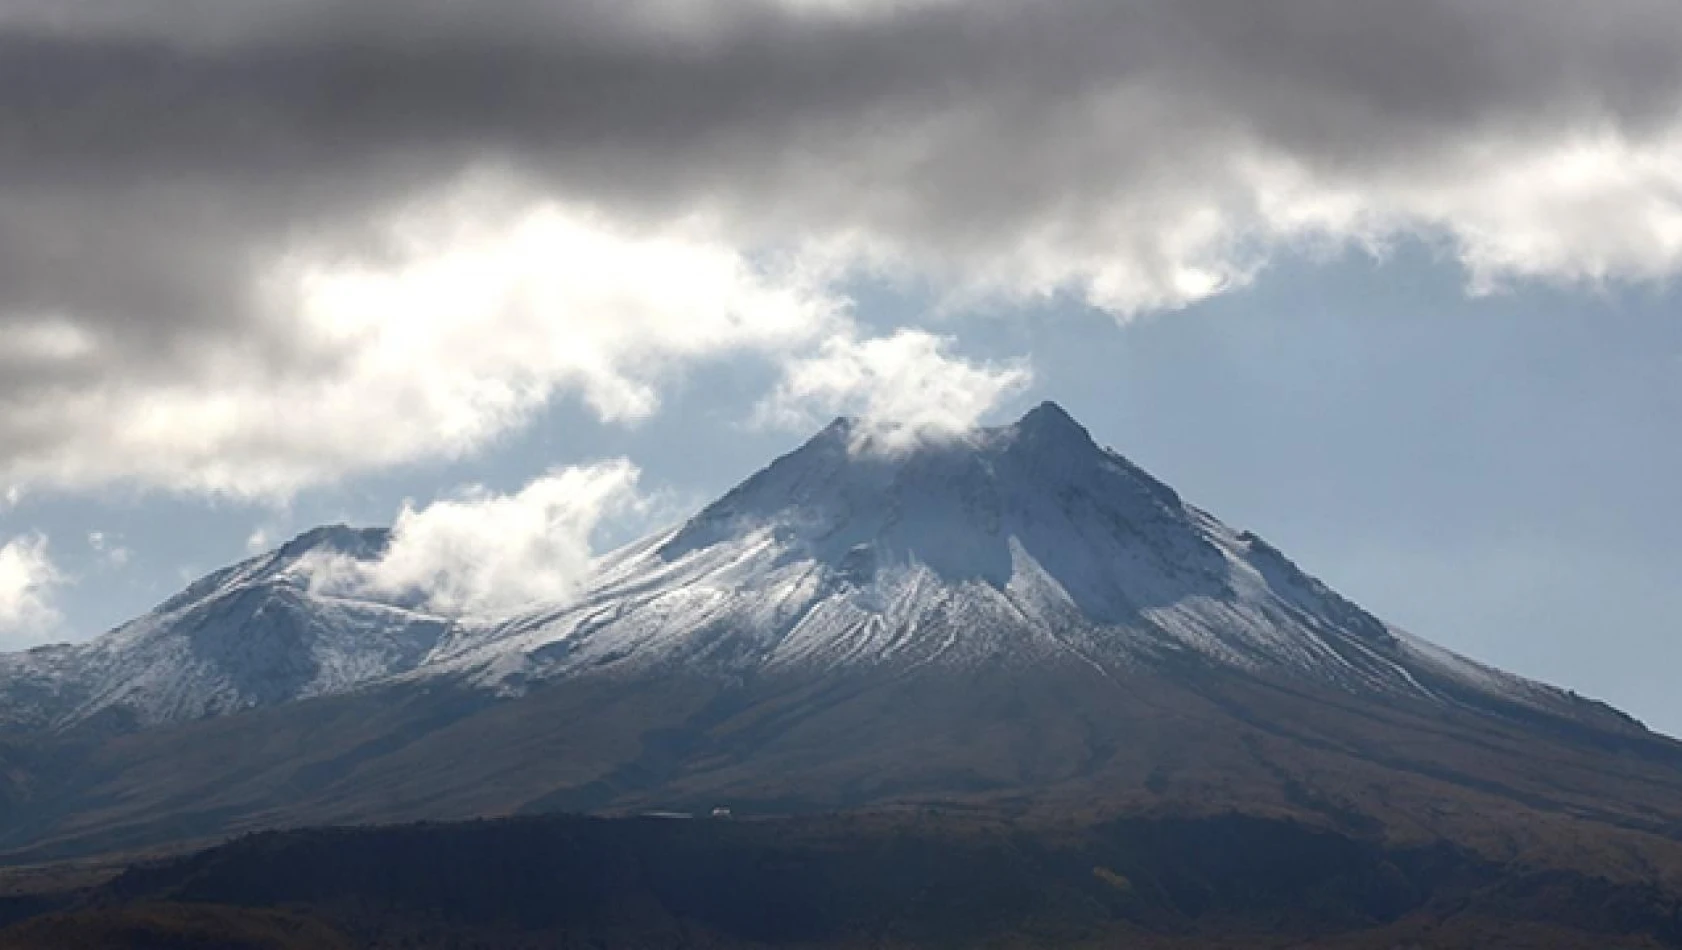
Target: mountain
1025 546
251 635
1012 622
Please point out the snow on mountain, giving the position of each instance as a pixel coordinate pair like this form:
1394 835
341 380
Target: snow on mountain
254 634
1019 545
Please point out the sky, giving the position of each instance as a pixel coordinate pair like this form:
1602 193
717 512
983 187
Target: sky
1391 283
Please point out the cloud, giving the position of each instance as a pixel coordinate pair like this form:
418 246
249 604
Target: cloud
109 548
237 236
458 335
260 540
482 553
28 580
904 388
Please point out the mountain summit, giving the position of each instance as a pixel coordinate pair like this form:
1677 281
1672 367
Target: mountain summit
1009 618
254 634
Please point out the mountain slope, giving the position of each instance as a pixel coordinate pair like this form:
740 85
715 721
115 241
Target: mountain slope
1016 622
254 634
1022 545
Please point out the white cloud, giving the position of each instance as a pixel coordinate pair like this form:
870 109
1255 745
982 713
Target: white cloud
1580 209
1586 209
482 553
479 312
904 388
28 580
260 539
109 549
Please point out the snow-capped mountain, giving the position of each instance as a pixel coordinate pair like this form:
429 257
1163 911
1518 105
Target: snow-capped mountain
255 634
1021 545
1011 618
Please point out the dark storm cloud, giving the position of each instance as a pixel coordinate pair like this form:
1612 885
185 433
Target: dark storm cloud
158 156
259 119
282 83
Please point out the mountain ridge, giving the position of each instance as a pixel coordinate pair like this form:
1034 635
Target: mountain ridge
1015 621
251 634
969 520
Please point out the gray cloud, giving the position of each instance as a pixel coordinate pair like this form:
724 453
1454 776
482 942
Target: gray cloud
266 89
162 160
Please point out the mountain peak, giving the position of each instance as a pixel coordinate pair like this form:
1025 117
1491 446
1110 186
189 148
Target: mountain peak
1049 418
850 440
935 496
358 543
283 565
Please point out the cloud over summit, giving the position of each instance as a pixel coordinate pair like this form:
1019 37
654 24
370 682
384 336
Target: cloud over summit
479 552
